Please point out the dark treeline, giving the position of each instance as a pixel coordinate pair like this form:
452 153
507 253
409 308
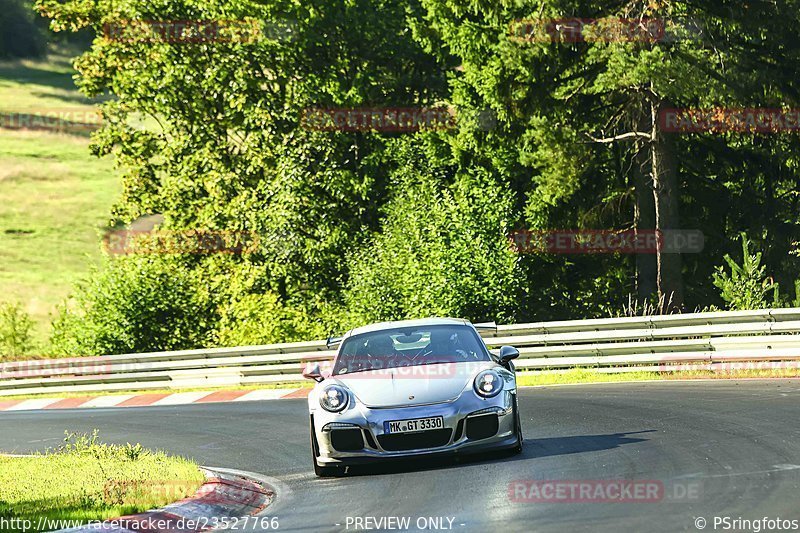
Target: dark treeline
24 35
356 226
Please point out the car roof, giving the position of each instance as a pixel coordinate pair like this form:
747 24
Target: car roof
434 321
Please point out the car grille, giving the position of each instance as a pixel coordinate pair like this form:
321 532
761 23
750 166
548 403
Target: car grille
415 441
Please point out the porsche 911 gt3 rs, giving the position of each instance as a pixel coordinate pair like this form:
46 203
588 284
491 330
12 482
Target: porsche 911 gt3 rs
412 388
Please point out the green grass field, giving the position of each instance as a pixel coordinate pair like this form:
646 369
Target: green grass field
54 195
87 480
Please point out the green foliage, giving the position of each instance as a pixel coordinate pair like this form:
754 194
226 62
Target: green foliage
84 444
15 331
362 226
795 302
556 102
441 250
309 195
251 167
746 286
136 304
263 319
89 444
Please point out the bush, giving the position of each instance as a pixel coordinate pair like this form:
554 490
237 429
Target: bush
441 251
747 286
15 331
264 319
136 304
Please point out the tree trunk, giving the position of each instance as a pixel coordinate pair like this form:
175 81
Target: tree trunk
644 220
666 196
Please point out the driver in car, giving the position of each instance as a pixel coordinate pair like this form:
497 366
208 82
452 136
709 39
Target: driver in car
445 346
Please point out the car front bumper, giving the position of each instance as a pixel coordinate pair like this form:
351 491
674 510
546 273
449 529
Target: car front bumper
468 422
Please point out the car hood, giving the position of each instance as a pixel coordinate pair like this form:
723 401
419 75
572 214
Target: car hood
417 385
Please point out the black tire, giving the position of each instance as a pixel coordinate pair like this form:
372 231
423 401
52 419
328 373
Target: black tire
517 428
319 470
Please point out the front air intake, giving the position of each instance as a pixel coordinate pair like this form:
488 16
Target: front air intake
482 427
347 440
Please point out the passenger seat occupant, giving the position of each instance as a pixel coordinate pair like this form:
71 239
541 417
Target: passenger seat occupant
373 353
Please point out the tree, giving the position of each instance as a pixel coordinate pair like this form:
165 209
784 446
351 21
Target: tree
747 286
208 133
575 113
356 226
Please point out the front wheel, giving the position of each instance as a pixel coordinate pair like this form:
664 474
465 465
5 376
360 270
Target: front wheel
319 470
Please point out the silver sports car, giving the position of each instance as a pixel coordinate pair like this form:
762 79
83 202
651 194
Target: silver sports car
412 388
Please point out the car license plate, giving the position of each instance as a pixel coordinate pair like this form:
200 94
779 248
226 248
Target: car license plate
413 424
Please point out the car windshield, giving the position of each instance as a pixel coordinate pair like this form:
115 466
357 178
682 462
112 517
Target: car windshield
426 345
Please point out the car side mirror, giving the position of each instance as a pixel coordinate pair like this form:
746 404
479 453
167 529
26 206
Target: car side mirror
312 371
507 353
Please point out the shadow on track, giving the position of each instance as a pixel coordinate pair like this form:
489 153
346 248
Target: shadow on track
579 443
532 449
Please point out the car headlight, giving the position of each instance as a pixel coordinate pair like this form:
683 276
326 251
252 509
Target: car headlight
488 384
334 398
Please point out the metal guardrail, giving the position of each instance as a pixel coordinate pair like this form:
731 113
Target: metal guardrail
665 342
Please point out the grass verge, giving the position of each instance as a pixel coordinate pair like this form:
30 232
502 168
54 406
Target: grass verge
85 479
586 375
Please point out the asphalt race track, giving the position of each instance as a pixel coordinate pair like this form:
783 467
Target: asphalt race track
725 449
